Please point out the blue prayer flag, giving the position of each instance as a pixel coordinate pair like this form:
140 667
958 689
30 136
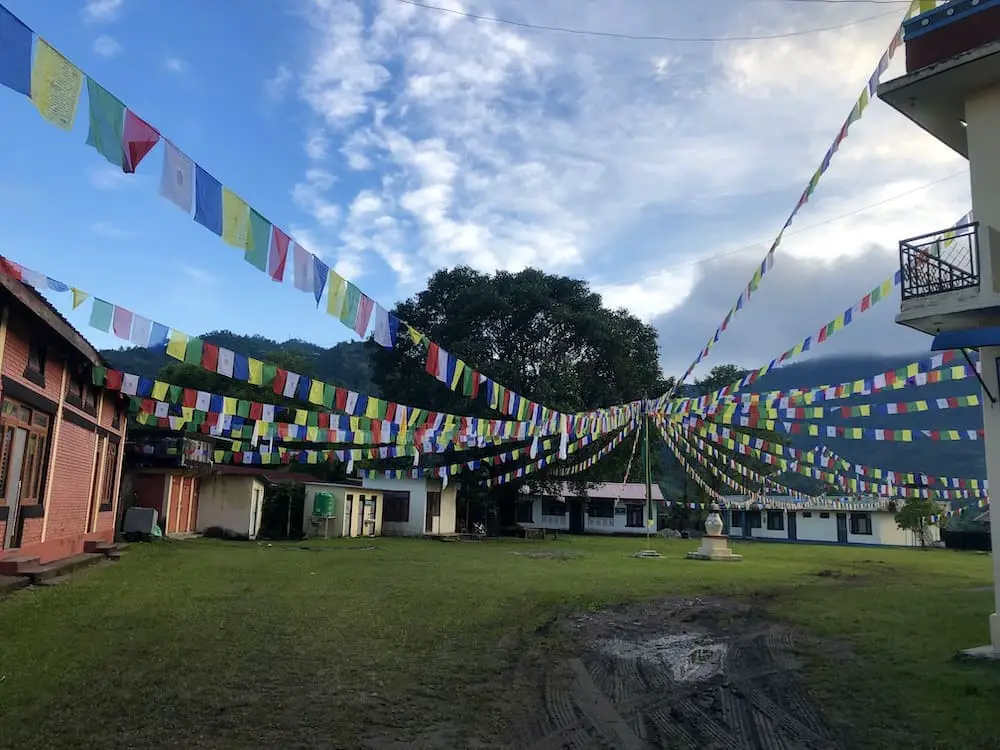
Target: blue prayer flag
207 201
15 53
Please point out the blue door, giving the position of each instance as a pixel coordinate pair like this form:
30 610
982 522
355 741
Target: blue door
793 532
746 523
842 528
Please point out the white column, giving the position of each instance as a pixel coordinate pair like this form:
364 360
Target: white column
982 117
991 423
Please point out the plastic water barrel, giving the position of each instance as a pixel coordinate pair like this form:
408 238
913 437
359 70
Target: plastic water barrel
322 505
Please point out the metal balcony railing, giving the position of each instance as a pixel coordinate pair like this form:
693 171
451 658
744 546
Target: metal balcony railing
939 262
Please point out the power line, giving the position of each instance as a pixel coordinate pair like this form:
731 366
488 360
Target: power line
800 230
650 38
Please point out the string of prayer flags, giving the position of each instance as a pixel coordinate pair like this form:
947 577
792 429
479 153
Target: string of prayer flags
767 263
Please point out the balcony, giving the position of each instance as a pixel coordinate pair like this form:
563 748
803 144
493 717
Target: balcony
940 262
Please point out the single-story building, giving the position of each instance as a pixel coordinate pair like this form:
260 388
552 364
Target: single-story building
416 507
824 520
353 511
61 439
607 508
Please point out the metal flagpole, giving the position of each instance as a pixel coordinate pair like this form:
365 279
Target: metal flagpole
649 484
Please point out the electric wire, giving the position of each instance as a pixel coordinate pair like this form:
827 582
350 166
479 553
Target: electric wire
644 37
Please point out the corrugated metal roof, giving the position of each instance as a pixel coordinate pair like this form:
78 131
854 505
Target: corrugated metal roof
630 491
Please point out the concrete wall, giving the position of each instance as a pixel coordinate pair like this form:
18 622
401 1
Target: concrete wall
591 525
233 503
811 526
343 524
815 528
418 488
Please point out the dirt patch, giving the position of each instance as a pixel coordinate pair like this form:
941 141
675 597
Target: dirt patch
681 673
552 554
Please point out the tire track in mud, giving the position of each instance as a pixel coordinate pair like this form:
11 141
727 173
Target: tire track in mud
684 682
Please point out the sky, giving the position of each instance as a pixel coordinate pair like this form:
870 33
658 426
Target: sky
393 140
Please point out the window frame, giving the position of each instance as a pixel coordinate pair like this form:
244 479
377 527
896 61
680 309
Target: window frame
635 511
854 527
108 479
605 507
394 500
754 519
37 350
529 506
35 464
775 520
553 507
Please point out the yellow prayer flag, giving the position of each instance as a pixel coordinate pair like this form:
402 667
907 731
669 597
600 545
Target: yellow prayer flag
235 220
79 297
301 416
415 336
55 85
187 413
336 287
256 368
316 392
228 405
159 390
177 344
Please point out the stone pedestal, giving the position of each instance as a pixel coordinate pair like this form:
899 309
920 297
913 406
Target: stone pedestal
714 545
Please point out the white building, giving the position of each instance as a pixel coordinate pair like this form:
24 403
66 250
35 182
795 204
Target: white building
416 507
823 520
608 508
950 280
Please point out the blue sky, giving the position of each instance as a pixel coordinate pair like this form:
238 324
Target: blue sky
394 140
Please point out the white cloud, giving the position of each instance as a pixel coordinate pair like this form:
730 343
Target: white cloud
175 65
106 177
310 196
111 231
199 276
626 163
102 11
277 85
105 46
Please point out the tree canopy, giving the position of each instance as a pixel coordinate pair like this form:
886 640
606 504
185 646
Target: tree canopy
547 337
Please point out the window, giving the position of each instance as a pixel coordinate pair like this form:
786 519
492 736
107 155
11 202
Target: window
601 509
775 520
35 370
526 511
110 470
395 506
635 515
89 399
807 514
754 516
861 523
74 390
824 515
553 507
737 518
16 416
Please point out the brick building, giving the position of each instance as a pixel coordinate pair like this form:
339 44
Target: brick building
60 438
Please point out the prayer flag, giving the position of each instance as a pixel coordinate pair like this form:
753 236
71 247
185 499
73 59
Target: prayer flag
302 268
320 273
279 254
138 139
177 178
141 328
352 298
158 335
107 123
121 324
15 53
101 314
177 344
207 200
55 85
364 315
259 241
386 327
235 220
79 297
336 294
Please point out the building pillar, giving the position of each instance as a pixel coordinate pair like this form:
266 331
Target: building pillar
988 358
982 117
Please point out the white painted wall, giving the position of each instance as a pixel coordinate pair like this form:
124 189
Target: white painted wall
815 528
234 503
418 489
596 525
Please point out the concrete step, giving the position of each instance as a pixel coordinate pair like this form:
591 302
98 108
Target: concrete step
11 566
38 573
111 550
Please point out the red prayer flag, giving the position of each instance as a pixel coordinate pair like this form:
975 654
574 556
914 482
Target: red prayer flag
189 398
432 359
138 139
10 268
256 410
340 397
475 383
113 381
278 255
280 377
210 356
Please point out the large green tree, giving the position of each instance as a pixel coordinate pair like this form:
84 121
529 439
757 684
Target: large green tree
546 337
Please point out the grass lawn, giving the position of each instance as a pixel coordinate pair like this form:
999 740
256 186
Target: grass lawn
216 644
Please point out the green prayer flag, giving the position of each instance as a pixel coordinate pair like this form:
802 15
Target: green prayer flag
174 394
192 354
352 299
329 395
98 375
312 419
259 241
243 409
100 315
267 374
107 123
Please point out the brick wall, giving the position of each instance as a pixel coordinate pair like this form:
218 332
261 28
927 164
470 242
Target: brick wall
15 360
69 503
